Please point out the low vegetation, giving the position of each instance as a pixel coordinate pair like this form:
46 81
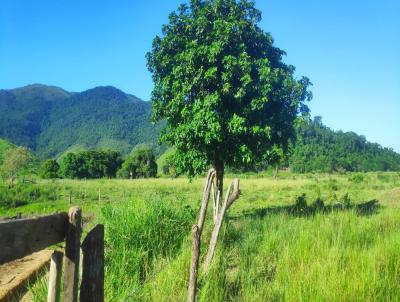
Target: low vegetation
338 242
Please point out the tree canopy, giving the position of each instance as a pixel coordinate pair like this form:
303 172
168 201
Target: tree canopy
91 164
16 161
50 169
140 164
222 87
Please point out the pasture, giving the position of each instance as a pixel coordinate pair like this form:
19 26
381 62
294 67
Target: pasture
339 242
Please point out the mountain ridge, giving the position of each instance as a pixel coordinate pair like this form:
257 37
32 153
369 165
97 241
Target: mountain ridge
50 120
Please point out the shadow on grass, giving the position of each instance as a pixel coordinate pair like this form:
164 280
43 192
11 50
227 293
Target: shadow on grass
301 209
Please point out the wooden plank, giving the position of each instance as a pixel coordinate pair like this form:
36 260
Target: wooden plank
53 293
72 253
21 237
92 286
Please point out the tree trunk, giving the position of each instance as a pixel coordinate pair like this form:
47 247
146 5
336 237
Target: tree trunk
276 170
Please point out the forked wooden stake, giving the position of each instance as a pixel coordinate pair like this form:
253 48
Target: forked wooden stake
229 199
218 216
206 197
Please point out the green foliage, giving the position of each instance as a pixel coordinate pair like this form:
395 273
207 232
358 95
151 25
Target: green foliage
222 87
166 165
91 164
50 169
318 148
140 164
4 146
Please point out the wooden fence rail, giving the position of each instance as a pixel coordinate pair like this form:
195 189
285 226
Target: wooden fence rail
22 237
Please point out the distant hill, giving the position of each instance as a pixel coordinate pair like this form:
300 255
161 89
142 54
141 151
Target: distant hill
319 148
50 120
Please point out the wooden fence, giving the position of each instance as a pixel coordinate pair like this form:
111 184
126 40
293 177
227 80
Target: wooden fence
21 237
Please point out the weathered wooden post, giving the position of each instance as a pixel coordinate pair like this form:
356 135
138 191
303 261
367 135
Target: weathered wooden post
92 286
194 263
71 259
53 294
70 198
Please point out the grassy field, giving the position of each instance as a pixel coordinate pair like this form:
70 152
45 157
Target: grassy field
273 246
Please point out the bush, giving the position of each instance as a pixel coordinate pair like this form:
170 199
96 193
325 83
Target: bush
318 205
357 178
346 201
301 204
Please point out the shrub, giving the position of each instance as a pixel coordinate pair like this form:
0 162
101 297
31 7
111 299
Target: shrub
346 201
357 178
301 204
318 204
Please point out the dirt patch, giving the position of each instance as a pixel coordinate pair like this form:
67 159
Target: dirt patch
15 275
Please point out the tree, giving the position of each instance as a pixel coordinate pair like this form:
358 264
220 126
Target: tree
222 87
275 157
140 164
49 169
16 161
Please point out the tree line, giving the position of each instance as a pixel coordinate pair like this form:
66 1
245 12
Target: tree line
94 164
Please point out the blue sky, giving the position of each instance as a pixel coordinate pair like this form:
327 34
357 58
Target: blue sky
349 49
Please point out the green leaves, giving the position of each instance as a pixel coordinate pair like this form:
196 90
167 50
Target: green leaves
221 86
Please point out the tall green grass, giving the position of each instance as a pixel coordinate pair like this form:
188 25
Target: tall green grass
138 235
274 246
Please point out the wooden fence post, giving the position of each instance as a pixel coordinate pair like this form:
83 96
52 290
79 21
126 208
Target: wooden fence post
71 259
70 198
53 294
194 263
92 286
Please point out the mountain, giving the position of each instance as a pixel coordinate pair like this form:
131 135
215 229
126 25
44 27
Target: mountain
22 111
50 120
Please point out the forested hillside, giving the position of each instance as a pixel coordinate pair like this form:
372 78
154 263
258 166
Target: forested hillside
50 120
318 148
23 110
